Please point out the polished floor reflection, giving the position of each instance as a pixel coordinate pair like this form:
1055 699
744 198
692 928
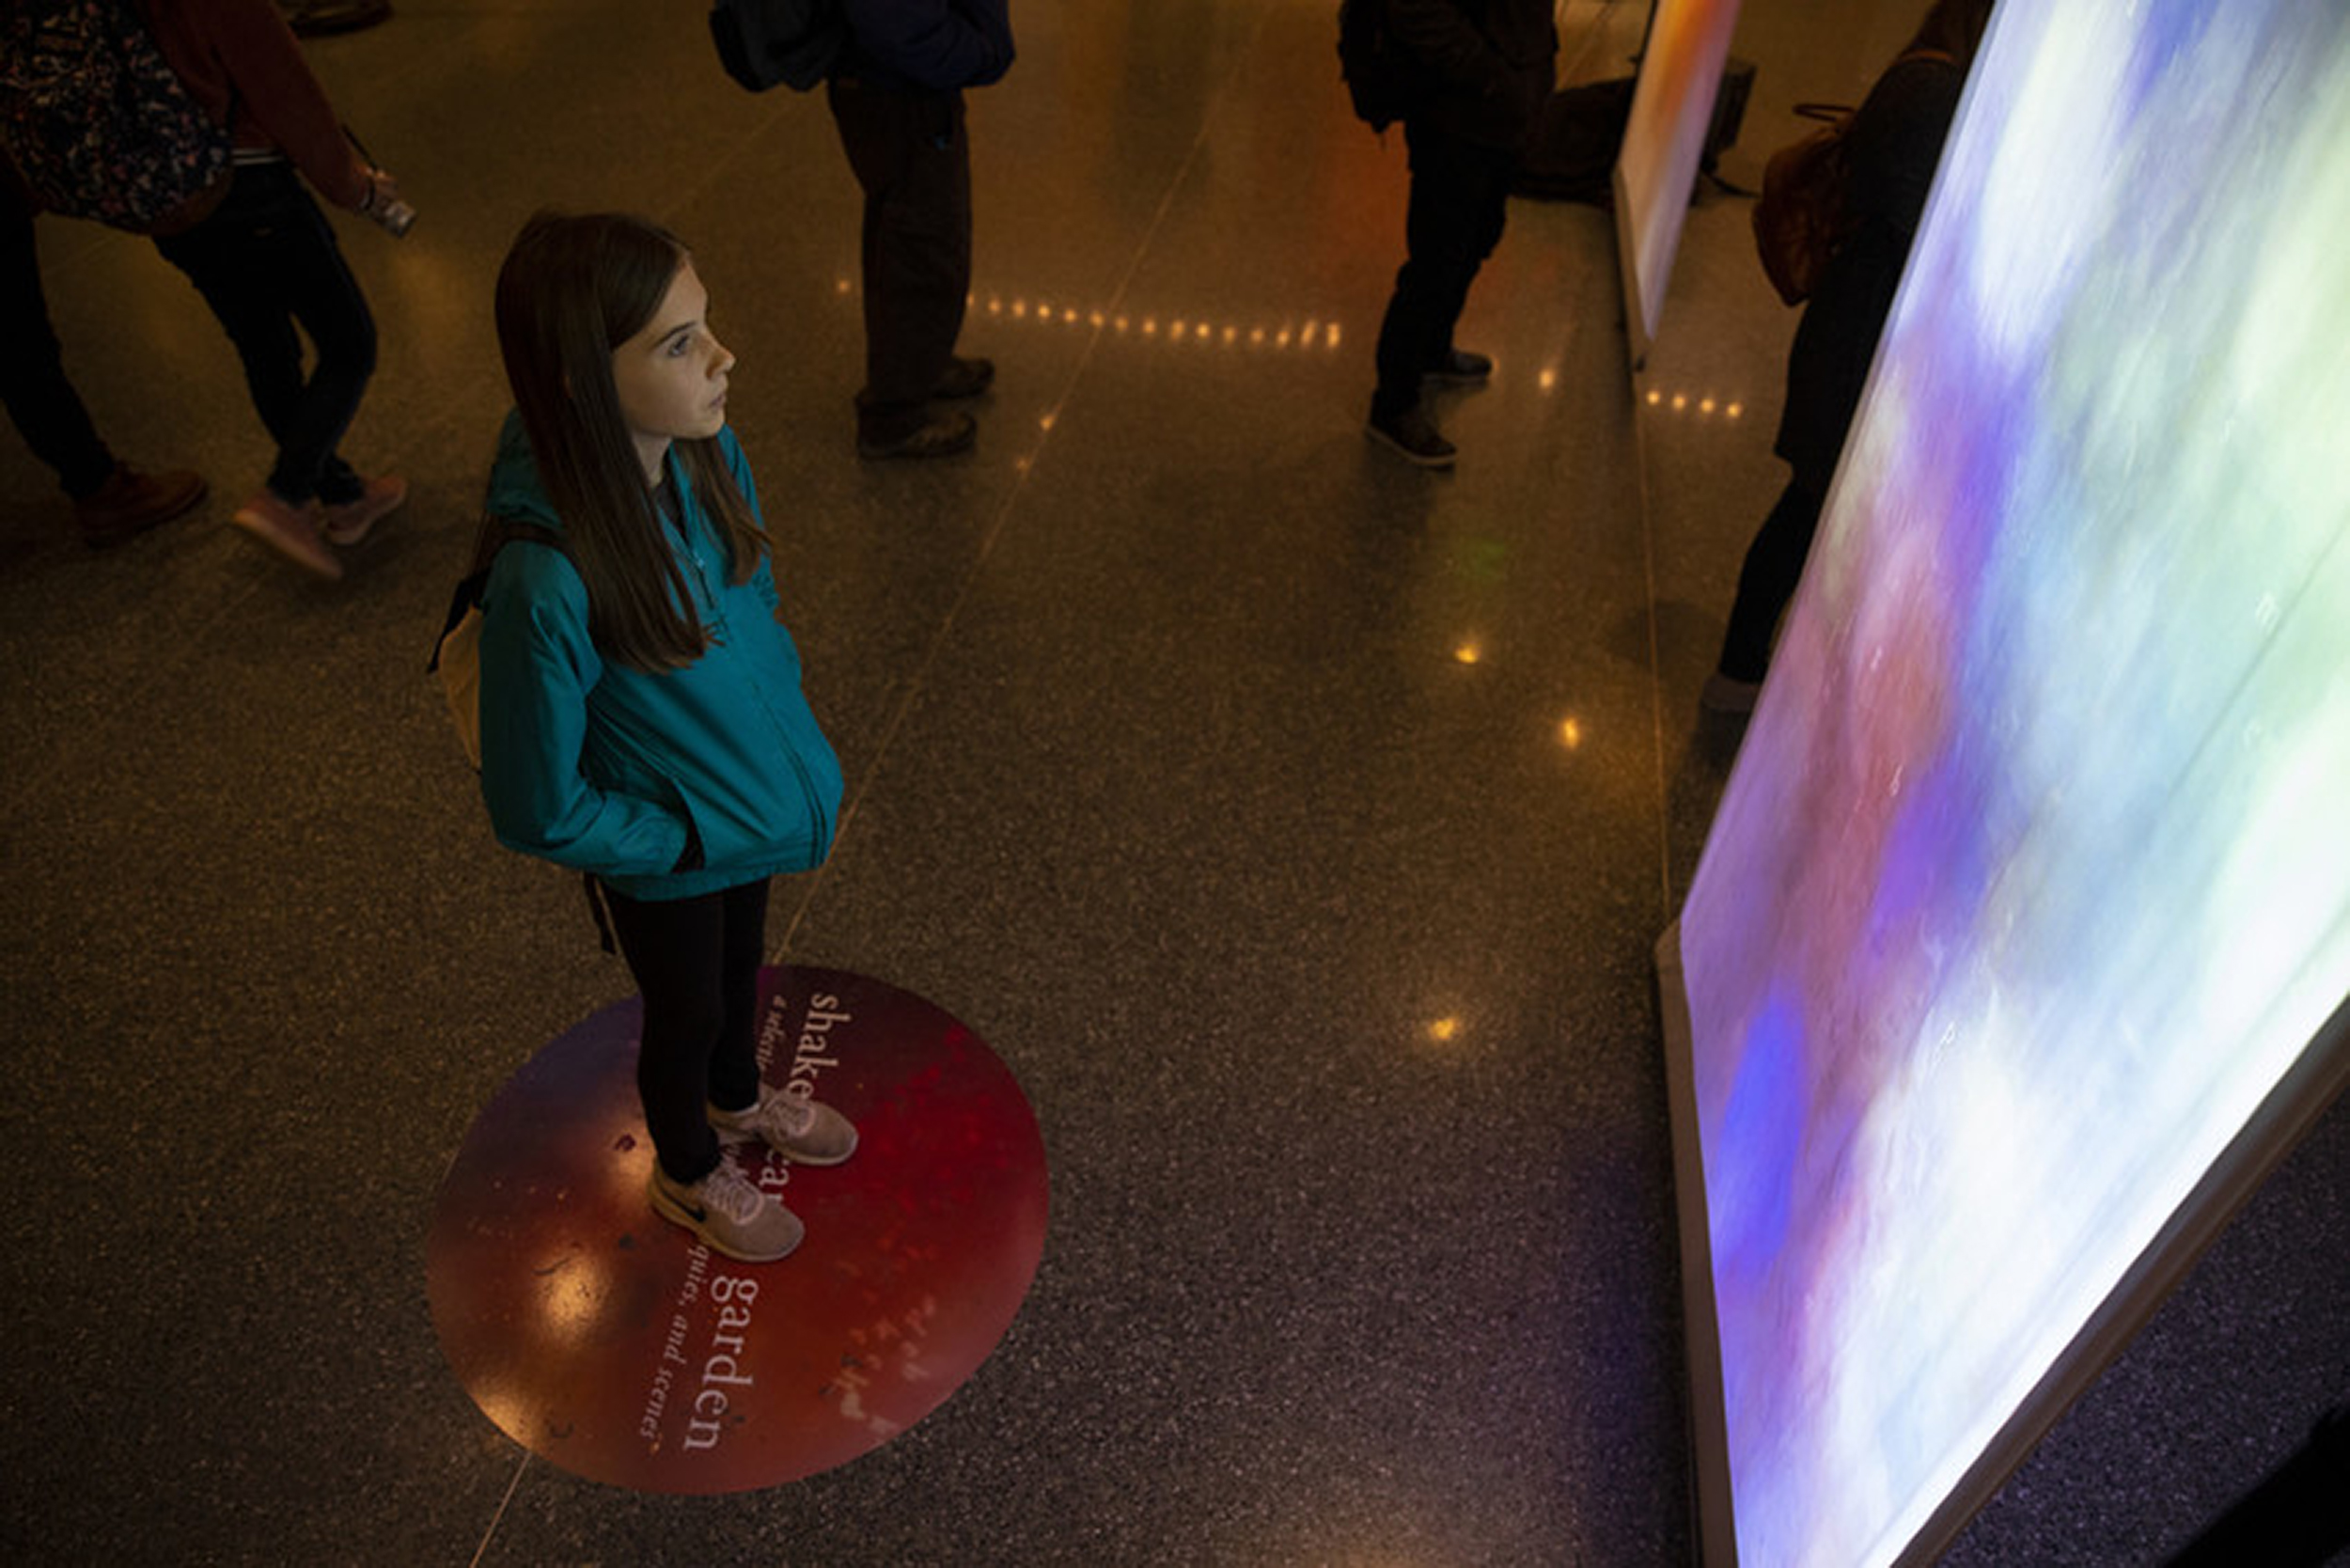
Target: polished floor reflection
1295 825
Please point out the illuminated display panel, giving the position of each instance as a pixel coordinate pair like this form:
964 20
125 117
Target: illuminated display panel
1664 138
2028 906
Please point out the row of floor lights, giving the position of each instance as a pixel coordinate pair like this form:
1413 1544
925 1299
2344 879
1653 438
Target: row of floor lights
1314 333
1681 403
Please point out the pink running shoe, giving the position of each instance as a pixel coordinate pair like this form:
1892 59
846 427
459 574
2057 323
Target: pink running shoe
292 531
350 521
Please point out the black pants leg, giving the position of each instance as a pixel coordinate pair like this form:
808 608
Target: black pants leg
696 961
267 263
42 403
1767 581
1459 202
912 157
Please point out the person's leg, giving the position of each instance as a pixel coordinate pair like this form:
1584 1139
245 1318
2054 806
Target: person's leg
302 279
263 259
1490 174
325 299
690 968
673 948
40 401
227 257
1774 565
264 262
740 1106
742 950
1453 219
910 154
112 500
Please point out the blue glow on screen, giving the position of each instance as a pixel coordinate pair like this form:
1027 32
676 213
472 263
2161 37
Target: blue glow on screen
2033 877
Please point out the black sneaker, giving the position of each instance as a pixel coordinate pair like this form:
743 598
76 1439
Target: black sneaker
941 437
964 378
1727 693
1461 368
1411 435
321 19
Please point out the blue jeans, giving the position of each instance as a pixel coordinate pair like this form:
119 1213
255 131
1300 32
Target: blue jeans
266 262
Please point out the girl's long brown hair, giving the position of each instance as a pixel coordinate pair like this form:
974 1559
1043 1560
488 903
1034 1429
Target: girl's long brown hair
573 288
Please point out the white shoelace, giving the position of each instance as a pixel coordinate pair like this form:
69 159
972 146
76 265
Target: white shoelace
728 1189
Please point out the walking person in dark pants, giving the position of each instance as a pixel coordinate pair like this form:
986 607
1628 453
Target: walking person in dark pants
270 268
1486 69
897 97
112 501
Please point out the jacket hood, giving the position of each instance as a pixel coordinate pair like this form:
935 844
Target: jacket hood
514 489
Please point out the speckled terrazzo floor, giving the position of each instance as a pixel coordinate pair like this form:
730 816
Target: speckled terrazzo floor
1295 824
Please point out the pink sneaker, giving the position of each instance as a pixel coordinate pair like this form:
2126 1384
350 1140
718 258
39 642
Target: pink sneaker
799 1129
349 522
292 531
729 1210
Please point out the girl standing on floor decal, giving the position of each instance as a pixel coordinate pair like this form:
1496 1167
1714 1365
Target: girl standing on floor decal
641 713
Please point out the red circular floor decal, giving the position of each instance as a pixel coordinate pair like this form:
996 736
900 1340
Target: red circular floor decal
604 1338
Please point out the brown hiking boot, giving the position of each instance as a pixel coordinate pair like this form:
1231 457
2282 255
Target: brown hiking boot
130 502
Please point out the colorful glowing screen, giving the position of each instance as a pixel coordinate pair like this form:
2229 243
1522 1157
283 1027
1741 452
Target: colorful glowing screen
2032 881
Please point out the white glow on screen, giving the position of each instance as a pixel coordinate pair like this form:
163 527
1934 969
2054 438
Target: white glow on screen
2032 881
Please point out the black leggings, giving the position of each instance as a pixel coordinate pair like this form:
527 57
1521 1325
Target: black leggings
697 960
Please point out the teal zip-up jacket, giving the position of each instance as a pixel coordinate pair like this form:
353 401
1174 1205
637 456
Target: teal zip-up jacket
600 767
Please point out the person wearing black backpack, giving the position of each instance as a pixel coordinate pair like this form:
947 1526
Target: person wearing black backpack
1482 70
896 94
268 266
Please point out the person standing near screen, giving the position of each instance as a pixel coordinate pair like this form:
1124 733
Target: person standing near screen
1484 68
1894 147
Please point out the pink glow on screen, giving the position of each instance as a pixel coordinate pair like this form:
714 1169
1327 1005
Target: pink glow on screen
2032 880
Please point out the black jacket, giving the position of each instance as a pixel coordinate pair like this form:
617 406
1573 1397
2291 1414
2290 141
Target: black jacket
943 45
1894 146
1487 64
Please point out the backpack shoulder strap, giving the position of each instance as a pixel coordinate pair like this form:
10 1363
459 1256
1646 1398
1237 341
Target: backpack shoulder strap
466 597
506 530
